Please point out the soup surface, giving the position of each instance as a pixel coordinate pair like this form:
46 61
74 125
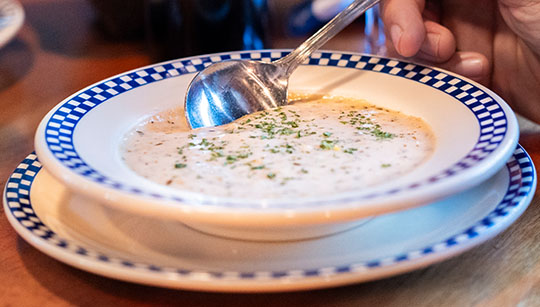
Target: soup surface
316 146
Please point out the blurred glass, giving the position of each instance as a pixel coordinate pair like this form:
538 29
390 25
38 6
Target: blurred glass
177 28
375 40
308 16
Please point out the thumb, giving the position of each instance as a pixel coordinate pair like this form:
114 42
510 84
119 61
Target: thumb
404 25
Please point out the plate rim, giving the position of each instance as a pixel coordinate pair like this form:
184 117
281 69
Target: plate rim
19 211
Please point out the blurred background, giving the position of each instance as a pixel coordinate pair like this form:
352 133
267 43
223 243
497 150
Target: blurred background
177 28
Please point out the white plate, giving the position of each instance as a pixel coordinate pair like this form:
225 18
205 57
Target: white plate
99 239
79 140
11 20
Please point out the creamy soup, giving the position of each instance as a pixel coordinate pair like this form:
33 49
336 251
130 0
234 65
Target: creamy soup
316 146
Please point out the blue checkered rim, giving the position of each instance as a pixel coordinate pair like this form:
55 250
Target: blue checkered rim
521 181
490 115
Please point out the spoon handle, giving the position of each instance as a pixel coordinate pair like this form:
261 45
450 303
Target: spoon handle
290 62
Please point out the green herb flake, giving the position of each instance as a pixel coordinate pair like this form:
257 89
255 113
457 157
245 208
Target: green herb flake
271 175
293 124
327 144
243 155
285 131
379 134
285 180
216 154
231 159
288 148
181 149
204 142
180 165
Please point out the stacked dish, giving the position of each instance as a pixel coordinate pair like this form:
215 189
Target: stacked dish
86 207
11 20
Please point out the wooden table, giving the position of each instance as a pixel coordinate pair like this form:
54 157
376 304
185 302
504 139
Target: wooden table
59 52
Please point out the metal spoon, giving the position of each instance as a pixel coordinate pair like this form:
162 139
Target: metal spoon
228 90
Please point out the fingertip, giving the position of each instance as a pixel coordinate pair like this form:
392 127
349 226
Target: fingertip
472 65
475 66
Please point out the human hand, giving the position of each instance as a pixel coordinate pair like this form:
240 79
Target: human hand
496 43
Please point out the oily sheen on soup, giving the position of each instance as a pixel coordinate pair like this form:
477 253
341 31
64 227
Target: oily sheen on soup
316 146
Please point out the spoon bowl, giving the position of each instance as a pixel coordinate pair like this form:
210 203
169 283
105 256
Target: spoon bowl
231 89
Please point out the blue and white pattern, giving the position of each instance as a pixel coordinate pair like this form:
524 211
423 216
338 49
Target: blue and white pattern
491 118
522 180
